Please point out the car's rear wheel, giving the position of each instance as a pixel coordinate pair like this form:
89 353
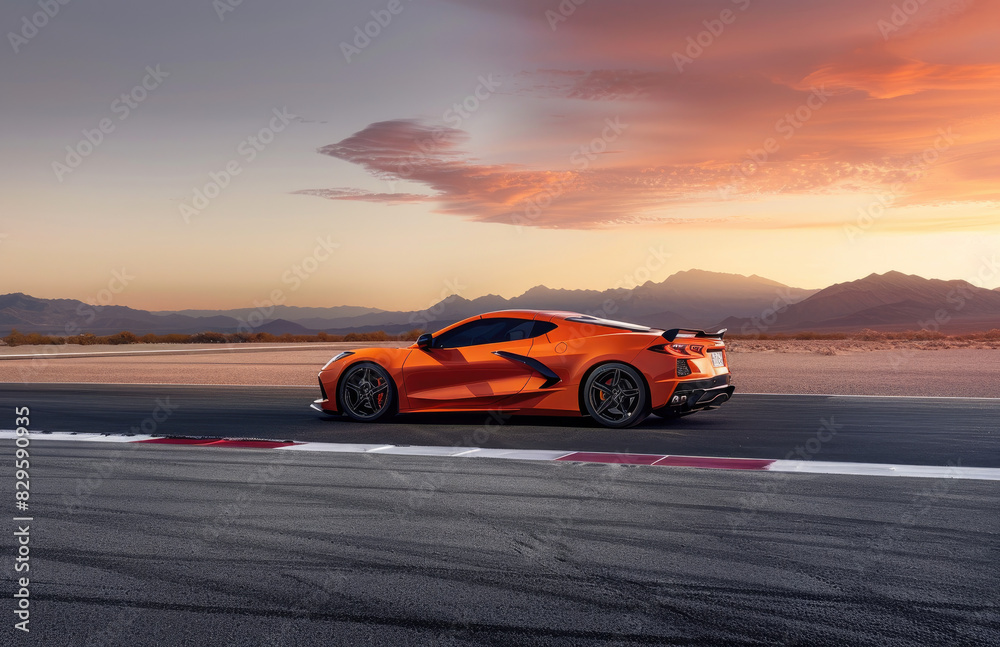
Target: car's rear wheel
367 393
615 395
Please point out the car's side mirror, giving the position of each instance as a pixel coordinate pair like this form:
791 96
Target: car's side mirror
424 341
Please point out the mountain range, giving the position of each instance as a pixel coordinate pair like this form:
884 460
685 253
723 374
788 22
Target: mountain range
889 302
692 298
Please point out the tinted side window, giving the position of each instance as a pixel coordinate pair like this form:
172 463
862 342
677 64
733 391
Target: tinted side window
473 333
528 329
492 331
542 327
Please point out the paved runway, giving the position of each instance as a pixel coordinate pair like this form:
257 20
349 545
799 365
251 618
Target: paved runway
155 545
137 544
917 431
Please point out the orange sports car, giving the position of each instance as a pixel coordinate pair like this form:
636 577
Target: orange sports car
534 362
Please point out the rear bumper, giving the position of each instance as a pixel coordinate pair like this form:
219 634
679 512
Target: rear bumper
702 398
692 395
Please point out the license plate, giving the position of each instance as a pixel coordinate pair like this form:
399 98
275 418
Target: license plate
717 358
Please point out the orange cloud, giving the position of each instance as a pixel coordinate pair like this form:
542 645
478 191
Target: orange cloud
584 197
896 78
914 113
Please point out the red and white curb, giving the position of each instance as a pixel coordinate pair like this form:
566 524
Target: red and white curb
658 460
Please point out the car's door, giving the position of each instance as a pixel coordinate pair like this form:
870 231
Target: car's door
461 369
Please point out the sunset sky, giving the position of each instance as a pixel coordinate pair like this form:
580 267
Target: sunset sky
488 147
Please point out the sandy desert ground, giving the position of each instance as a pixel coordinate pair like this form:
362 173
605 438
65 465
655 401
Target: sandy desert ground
834 367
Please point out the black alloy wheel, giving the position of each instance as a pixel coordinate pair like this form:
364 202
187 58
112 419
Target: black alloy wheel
615 395
367 393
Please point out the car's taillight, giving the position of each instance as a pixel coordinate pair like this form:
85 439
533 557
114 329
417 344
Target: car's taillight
683 368
684 350
679 350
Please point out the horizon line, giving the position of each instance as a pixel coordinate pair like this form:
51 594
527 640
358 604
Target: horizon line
492 294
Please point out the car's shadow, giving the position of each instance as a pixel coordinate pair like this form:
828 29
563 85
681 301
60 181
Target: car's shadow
478 419
653 436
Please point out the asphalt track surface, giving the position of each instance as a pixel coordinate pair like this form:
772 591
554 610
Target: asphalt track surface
912 431
136 544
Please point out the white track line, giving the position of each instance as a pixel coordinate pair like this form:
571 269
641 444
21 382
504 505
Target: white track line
884 469
799 467
91 437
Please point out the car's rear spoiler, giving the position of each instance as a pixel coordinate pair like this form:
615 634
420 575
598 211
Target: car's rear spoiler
674 333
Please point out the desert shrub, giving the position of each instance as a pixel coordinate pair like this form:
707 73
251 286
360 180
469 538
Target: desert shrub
208 337
124 337
870 335
989 335
926 335
378 335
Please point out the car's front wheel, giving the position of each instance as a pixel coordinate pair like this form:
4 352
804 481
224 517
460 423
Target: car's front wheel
615 395
367 393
